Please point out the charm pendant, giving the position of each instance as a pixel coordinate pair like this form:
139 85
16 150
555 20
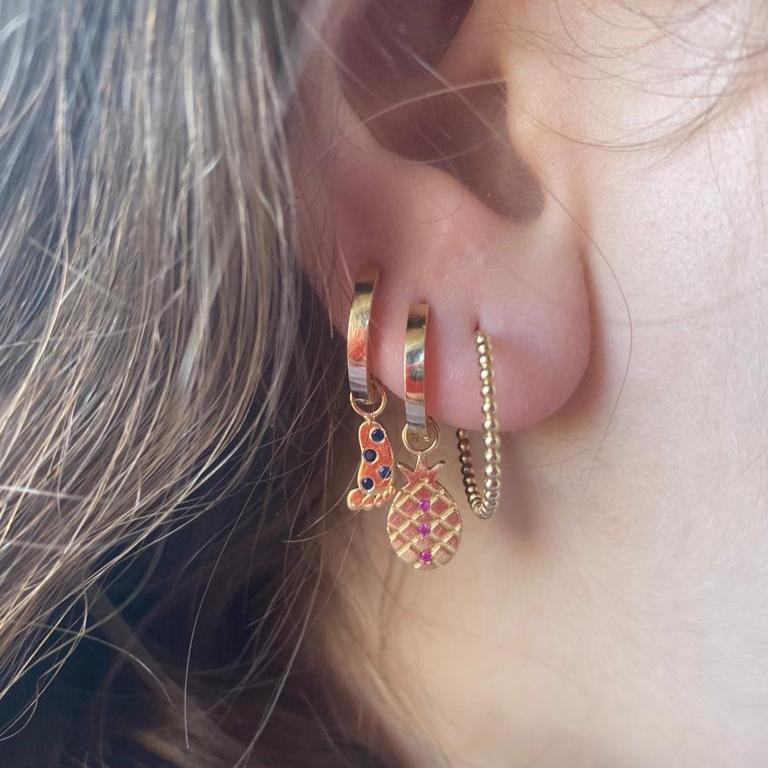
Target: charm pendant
375 477
424 524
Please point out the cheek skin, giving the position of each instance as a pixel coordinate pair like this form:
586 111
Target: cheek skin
623 624
675 488
669 506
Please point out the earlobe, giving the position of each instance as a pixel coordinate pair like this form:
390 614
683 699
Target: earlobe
434 240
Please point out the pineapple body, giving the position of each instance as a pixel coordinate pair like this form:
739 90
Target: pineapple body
424 523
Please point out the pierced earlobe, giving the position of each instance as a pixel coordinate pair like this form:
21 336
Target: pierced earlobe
448 186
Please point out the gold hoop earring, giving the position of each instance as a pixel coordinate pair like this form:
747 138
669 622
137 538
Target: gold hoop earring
484 503
375 474
424 523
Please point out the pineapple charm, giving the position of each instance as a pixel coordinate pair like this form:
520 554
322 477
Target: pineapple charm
424 524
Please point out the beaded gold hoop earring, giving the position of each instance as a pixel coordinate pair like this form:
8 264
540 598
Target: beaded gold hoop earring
485 502
375 474
424 523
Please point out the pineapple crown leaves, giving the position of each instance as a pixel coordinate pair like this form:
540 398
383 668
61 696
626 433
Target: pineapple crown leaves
421 471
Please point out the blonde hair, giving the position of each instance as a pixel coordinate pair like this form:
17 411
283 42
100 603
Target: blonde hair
164 406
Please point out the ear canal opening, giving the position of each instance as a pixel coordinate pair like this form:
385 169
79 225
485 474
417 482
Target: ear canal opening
391 71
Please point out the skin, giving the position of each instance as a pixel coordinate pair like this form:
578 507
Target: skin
613 615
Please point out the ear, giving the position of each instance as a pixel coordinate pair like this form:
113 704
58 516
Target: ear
421 162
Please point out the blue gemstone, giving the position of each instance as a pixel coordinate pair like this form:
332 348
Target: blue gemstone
384 472
378 435
366 483
370 455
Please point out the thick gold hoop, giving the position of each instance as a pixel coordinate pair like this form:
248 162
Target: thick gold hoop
483 501
414 366
361 384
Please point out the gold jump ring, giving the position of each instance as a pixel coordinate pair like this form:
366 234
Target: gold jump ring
483 501
368 409
418 443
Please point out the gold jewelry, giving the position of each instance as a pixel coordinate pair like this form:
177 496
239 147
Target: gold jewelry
485 502
375 475
424 523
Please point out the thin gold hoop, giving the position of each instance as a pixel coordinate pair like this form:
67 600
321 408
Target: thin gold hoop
484 502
